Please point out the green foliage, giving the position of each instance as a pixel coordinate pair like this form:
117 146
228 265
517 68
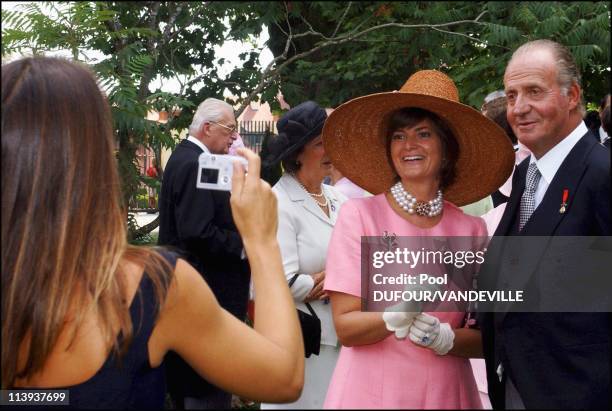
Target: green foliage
383 59
592 106
146 41
139 43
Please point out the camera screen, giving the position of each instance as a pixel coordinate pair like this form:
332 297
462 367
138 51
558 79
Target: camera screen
209 175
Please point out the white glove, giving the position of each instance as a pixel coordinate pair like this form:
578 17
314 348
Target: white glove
427 331
398 318
398 321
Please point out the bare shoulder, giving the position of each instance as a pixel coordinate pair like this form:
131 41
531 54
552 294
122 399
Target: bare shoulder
132 273
187 283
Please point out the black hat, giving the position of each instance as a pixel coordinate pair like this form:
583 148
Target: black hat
295 128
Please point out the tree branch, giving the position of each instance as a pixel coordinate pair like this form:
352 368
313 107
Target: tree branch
147 75
166 36
343 38
270 72
146 229
459 34
281 29
184 25
115 26
358 26
310 33
290 37
311 30
154 10
342 18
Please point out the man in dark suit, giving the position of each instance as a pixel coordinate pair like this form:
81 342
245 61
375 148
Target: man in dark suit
550 359
198 223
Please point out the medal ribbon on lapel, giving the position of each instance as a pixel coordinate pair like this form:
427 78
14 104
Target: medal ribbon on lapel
564 201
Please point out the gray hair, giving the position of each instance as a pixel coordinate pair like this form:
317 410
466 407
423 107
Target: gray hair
211 109
567 70
494 95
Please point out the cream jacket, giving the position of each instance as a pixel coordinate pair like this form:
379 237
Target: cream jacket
303 235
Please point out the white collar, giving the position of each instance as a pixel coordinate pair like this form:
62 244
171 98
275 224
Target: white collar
297 193
550 162
520 153
198 143
603 136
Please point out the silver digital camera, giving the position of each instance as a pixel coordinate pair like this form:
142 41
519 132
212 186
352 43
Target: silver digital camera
215 171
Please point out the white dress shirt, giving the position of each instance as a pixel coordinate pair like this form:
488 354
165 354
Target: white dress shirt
603 136
550 162
198 143
520 153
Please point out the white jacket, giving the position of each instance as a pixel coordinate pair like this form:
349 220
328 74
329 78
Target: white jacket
303 235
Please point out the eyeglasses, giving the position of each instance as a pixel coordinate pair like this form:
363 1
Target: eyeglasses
231 129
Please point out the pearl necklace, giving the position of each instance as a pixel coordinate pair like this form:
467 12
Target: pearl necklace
410 204
322 194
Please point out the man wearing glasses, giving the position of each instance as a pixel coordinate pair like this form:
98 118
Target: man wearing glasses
199 224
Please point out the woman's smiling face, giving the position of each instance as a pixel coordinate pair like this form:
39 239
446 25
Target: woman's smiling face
416 152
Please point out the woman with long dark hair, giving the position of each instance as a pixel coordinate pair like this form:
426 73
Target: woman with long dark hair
81 309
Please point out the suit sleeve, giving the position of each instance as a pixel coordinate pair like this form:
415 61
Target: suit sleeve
287 241
195 217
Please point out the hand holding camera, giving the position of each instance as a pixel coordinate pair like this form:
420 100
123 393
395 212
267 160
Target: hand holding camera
216 170
253 202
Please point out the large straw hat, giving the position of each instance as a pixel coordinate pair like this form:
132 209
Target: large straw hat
354 138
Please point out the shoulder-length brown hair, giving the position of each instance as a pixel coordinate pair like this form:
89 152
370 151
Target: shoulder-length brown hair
409 117
63 226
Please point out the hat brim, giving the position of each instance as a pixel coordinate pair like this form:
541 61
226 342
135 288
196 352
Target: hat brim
294 147
354 139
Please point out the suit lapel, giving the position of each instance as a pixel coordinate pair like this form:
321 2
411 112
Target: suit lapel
310 206
512 208
546 218
298 195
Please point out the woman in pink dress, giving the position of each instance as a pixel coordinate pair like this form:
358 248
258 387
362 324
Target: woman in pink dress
423 154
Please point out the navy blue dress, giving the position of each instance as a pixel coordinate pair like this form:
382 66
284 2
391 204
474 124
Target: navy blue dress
130 383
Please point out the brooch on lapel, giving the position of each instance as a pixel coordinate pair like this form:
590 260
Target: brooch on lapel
331 205
564 201
389 240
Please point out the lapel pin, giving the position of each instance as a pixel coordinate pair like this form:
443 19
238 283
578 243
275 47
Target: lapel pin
389 240
564 201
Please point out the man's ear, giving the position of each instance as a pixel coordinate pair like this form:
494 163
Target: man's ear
574 94
205 128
